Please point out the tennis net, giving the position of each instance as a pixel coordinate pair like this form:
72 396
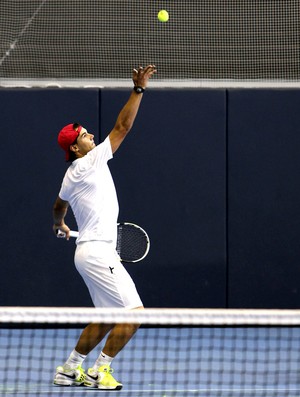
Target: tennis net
176 352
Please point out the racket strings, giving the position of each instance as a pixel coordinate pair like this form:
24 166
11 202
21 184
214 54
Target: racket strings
132 243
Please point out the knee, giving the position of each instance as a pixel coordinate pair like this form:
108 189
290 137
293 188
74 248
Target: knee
131 329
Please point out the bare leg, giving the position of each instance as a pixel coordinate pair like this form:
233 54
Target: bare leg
119 336
91 336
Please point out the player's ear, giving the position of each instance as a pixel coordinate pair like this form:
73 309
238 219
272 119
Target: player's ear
74 148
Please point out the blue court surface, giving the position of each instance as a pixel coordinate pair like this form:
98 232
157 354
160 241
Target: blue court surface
161 362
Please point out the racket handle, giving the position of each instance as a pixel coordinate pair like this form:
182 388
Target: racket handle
61 234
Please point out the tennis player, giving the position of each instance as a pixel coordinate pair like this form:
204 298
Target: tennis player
89 189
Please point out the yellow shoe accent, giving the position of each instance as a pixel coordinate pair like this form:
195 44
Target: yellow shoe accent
105 379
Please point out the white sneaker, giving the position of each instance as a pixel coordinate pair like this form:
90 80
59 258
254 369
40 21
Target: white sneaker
69 377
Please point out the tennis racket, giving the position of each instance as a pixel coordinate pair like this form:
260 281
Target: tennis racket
133 242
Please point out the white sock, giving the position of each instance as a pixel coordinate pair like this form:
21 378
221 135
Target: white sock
103 359
74 360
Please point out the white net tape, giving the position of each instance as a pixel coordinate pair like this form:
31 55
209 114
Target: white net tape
212 317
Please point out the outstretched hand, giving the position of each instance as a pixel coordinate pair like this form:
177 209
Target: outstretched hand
141 75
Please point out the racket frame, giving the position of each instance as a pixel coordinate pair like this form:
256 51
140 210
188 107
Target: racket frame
75 234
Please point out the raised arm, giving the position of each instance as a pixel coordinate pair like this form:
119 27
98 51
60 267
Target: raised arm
128 114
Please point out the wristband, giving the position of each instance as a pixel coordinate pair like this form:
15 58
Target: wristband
138 89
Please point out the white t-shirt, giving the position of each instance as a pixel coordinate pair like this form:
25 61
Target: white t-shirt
89 188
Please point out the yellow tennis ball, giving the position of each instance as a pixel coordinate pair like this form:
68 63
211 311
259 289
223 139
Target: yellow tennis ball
163 16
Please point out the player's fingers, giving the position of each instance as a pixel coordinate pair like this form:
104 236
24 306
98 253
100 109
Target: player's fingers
150 69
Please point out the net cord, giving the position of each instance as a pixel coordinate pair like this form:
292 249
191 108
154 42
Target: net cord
126 83
204 317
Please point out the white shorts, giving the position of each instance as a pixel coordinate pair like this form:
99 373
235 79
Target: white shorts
108 281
